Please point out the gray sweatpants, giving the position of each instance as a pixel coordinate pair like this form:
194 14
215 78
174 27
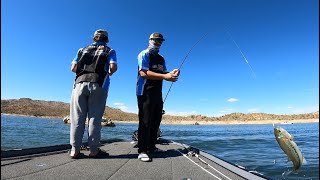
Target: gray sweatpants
87 99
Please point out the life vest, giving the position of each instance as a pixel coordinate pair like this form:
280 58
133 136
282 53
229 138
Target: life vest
91 64
156 64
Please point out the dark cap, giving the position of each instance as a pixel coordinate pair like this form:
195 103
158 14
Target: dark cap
100 35
104 32
156 35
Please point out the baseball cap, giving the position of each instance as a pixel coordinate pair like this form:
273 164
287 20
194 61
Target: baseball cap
104 32
156 35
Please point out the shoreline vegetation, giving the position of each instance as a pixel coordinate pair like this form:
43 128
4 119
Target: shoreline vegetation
59 110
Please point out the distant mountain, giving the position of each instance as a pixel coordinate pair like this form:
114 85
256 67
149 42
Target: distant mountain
40 108
54 109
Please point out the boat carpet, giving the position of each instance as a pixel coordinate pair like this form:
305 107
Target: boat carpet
176 162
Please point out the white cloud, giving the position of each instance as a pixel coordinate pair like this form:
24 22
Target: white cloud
253 110
118 104
290 107
233 100
122 107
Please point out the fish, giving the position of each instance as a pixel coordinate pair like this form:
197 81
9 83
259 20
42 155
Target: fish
290 148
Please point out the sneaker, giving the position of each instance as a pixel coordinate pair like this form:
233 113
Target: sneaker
144 157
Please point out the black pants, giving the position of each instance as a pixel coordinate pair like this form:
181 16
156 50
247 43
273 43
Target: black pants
150 113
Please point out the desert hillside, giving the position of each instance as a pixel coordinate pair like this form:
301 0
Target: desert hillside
40 108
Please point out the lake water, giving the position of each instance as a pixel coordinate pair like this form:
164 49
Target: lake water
251 146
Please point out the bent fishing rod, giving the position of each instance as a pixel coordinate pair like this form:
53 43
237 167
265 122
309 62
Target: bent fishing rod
163 112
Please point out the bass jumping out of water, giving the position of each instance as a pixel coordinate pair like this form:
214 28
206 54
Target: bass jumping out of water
285 141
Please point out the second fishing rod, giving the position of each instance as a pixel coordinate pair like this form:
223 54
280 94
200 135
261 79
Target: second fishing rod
163 111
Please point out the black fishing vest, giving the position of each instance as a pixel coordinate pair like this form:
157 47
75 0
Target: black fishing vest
156 64
91 64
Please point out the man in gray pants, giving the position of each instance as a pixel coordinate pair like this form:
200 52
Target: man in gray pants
93 65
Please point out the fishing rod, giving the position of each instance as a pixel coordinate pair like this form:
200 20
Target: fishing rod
245 59
163 112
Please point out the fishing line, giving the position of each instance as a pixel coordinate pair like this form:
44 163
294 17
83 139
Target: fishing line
182 64
245 59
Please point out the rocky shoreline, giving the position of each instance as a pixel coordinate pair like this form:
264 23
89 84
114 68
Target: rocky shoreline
201 122
296 121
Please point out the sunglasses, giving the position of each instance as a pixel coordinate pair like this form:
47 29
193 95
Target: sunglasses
157 40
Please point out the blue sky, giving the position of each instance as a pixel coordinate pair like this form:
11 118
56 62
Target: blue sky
279 39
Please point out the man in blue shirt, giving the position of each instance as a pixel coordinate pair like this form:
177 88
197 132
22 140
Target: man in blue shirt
152 71
93 65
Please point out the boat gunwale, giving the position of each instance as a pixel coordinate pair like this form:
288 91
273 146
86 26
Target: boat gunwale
44 150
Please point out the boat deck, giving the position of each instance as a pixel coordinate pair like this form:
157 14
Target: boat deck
176 162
